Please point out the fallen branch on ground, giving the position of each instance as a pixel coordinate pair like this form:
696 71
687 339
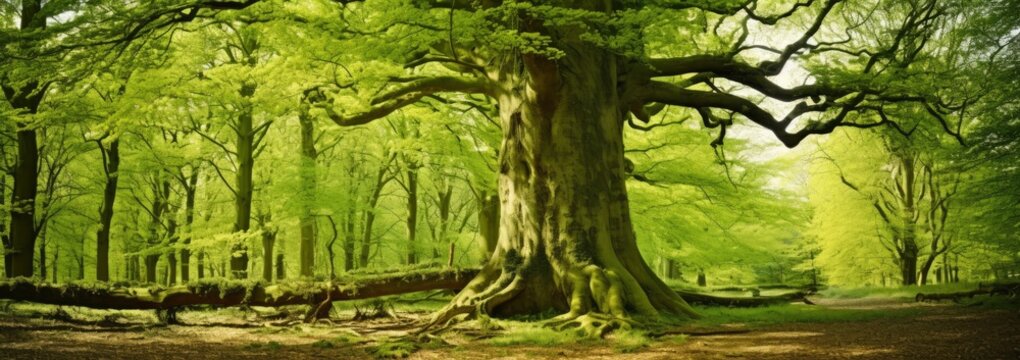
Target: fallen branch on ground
712 300
1008 289
233 293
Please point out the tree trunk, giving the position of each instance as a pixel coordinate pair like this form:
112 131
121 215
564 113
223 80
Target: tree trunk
201 265
243 186
908 263
566 239
309 186
488 223
112 156
42 256
268 245
4 236
281 272
26 99
190 190
171 255
348 245
373 200
56 262
412 215
150 268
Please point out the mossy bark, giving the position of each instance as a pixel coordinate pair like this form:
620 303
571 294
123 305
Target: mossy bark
566 241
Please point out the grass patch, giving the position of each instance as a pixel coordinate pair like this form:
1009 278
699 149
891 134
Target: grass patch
394 349
779 314
628 341
523 333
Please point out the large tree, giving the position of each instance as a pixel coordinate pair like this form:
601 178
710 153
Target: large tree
567 76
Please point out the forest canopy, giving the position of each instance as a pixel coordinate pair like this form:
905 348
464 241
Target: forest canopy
588 156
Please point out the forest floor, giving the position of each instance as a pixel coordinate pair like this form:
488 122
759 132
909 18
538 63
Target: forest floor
870 328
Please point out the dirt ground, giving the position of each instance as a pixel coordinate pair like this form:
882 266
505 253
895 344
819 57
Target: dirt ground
935 332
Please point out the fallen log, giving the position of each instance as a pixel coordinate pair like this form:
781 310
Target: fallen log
233 293
1008 289
712 300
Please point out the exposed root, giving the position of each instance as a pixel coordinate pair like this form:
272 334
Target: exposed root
480 304
590 324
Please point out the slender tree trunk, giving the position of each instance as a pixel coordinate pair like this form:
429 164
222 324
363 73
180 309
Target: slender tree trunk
566 239
281 272
349 234
4 236
190 189
381 180
112 166
412 215
268 244
242 200
171 255
309 188
56 262
42 256
201 265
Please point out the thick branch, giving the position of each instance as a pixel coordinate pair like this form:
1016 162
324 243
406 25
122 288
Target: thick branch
408 94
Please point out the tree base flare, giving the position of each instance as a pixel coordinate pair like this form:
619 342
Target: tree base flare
595 300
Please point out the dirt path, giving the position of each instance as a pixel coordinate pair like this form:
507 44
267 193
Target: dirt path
937 332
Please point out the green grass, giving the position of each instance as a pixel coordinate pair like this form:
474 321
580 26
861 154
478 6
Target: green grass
524 333
779 314
898 292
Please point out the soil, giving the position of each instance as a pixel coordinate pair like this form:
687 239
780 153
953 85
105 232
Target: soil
935 332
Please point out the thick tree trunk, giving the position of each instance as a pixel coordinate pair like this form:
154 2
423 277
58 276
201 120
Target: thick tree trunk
566 239
308 188
112 156
26 99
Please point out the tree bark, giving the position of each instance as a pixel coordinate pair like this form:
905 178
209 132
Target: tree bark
112 165
488 222
25 99
412 215
381 179
566 239
349 234
190 190
309 185
245 149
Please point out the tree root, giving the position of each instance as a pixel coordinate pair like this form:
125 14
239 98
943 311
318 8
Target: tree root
590 324
478 304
